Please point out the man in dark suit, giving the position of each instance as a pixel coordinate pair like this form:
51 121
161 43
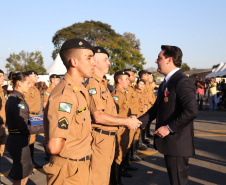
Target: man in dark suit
174 111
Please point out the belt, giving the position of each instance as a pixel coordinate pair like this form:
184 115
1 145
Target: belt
33 113
13 131
86 158
109 133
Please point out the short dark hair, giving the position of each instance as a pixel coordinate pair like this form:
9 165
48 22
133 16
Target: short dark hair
140 80
174 52
66 56
141 73
18 77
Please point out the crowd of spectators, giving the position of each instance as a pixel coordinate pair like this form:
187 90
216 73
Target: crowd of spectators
212 93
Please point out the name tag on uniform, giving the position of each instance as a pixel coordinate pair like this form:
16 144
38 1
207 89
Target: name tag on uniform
104 92
115 98
21 106
47 94
92 91
79 111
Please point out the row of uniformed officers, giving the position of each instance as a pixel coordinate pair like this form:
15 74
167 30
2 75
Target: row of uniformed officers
88 130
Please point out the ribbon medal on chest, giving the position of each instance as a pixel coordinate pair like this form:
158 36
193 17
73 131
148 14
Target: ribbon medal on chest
166 92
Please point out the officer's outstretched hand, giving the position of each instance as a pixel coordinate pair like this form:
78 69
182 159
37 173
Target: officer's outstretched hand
134 123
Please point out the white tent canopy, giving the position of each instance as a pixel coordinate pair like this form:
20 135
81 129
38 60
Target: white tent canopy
217 70
57 67
222 72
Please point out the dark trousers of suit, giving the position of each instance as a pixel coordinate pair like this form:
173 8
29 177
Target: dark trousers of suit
177 168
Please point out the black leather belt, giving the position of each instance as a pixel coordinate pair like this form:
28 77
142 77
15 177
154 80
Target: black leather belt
86 158
109 133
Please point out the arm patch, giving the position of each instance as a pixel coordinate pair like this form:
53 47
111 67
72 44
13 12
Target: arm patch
92 91
63 123
115 98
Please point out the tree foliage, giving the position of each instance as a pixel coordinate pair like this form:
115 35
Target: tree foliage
25 61
124 49
215 66
185 67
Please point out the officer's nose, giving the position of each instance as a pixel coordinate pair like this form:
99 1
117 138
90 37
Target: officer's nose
108 62
93 62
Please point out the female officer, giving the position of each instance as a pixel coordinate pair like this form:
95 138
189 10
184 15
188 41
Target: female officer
17 119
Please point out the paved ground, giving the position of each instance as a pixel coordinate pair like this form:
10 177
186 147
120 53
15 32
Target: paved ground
207 167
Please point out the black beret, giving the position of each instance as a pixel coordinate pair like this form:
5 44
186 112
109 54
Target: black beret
1 71
32 72
121 73
99 49
77 44
54 76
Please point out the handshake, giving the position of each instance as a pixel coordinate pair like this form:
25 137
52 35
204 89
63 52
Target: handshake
133 123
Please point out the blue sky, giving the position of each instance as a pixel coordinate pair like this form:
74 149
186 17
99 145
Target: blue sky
198 27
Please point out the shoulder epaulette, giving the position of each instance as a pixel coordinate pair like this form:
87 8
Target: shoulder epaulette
19 97
67 90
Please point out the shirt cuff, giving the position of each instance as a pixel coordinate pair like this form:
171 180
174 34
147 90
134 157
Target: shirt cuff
170 129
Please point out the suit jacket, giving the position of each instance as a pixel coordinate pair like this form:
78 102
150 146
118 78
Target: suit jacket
176 106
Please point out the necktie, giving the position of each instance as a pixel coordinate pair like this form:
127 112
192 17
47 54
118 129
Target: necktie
163 84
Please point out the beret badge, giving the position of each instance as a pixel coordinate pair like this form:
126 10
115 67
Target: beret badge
80 43
98 51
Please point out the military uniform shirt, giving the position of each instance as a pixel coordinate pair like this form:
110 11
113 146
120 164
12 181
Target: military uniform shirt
121 102
33 99
150 93
67 116
143 101
47 93
101 100
133 100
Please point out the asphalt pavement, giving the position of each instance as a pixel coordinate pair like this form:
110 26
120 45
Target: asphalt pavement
207 167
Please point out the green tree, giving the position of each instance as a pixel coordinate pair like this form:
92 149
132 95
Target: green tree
215 66
185 67
124 49
25 61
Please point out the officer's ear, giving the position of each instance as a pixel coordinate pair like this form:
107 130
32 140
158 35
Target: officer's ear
19 83
73 62
119 79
